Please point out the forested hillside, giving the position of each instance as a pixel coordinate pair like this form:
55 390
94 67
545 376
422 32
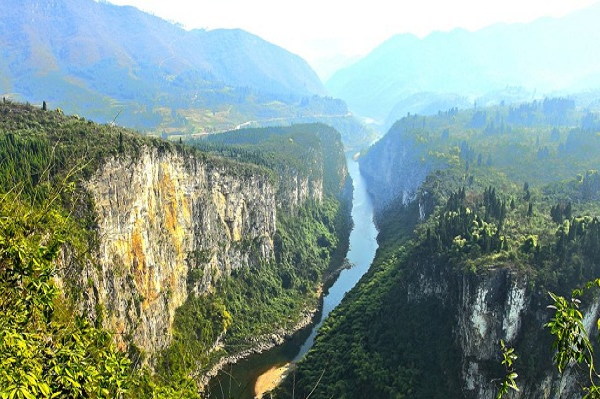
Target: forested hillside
103 298
286 149
505 211
83 39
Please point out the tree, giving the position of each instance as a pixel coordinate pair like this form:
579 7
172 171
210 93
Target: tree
527 193
508 359
568 212
43 353
46 351
572 343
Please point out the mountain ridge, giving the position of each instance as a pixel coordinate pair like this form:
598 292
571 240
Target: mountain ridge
171 47
96 59
536 56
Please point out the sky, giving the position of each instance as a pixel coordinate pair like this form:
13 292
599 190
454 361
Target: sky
330 34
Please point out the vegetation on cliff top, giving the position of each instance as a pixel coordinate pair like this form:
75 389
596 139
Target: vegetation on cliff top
516 194
46 349
314 151
38 147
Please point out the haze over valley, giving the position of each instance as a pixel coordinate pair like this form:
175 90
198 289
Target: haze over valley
501 63
191 209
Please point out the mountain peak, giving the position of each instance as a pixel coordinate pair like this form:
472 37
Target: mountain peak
545 55
75 35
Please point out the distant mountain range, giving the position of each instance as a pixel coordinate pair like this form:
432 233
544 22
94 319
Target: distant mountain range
409 74
98 59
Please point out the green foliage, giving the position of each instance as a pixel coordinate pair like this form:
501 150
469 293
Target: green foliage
571 339
309 243
43 339
253 303
508 359
310 150
460 229
39 149
198 324
45 346
41 355
389 352
45 350
572 343
590 185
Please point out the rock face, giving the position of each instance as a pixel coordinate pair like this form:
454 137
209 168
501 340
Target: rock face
486 308
170 224
294 189
395 167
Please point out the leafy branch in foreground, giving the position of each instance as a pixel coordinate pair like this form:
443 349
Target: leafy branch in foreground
572 342
44 353
509 357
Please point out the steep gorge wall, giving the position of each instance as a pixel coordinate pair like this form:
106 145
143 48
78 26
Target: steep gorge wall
395 167
170 224
495 305
295 189
483 308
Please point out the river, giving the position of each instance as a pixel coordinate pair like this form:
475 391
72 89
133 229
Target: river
238 381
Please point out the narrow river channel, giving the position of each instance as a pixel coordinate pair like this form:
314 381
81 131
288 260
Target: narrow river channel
238 381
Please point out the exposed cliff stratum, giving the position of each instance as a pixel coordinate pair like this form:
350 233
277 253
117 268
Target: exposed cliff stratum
397 165
162 217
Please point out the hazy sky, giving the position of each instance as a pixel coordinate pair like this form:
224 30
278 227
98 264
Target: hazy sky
330 33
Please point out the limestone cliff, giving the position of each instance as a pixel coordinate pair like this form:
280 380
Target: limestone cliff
170 224
485 308
396 166
308 159
188 257
295 189
468 250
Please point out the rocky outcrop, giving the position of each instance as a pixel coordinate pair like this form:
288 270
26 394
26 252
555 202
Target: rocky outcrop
490 309
487 307
170 224
295 189
395 167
